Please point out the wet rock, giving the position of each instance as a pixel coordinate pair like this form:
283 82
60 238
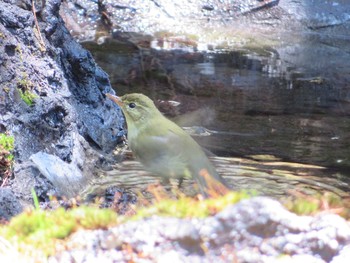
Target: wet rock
66 178
28 177
318 14
83 17
69 120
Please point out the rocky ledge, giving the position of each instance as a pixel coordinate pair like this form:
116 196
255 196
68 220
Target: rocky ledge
255 230
60 135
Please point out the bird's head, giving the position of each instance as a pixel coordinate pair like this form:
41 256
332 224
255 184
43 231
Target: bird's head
135 106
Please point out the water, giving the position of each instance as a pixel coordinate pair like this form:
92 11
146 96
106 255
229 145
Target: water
291 101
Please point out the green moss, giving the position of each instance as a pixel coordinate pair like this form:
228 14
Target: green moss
45 231
27 96
25 87
303 207
92 218
188 207
41 230
309 205
39 225
7 143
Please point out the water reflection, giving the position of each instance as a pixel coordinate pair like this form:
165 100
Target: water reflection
249 101
270 178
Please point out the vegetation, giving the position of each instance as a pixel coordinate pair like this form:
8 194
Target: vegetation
44 233
43 230
310 205
7 143
24 84
187 207
27 96
6 157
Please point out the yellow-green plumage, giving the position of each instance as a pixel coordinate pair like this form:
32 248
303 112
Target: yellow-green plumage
162 146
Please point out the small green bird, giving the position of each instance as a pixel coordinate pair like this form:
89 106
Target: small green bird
163 147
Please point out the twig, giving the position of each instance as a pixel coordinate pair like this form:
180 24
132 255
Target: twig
42 43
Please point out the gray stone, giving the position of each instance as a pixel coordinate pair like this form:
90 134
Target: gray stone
255 230
70 120
9 204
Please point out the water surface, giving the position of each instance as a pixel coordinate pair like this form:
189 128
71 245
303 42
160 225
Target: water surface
290 101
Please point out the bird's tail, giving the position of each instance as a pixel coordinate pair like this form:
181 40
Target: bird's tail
212 184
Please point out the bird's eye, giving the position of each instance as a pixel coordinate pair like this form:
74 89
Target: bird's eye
132 105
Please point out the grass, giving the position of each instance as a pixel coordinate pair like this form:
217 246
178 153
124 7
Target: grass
7 143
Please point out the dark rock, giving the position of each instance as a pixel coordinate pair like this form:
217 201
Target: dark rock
9 204
69 119
14 17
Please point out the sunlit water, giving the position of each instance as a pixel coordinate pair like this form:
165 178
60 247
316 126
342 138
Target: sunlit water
240 103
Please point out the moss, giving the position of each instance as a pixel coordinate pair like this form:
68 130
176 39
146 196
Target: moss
27 96
42 230
24 84
7 142
6 157
186 207
309 205
303 207
39 230
93 218
39 225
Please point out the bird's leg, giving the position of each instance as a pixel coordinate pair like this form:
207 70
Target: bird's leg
180 181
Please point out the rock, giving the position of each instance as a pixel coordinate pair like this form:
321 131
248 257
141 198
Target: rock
255 230
70 120
184 16
28 177
66 178
9 204
342 256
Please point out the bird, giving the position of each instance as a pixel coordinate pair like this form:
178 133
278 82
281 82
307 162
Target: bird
164 148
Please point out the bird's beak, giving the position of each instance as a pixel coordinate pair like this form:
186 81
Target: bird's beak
116 99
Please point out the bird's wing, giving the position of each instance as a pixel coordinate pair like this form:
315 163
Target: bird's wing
163 152
172 152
